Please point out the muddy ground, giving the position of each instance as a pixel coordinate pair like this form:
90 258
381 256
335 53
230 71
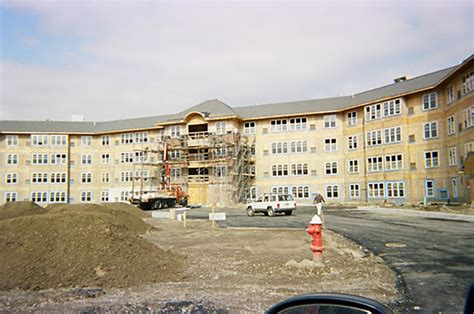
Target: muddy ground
226 270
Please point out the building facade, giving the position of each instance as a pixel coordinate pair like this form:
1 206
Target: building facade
403 143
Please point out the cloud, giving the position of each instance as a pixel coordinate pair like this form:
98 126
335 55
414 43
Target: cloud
161 57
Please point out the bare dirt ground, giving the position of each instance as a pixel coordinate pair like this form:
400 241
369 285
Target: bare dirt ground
227 270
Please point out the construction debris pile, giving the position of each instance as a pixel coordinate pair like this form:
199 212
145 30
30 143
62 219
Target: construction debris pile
80 246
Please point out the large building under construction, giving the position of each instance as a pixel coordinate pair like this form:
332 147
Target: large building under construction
404 143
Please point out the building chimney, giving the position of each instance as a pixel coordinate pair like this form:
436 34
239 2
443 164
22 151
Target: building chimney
400 79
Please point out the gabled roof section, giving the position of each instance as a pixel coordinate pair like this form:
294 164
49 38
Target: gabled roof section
210 108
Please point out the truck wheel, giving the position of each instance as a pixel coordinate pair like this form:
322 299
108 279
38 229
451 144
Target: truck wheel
288 212
250 211
270 212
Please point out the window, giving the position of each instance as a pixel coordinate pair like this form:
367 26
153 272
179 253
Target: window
332 191
126 176
467 83
174 154
430 188
299 146
393 135
175 131
374 164
105 177
393 162
12 159
140 156
278 190
279 125
331 167
351 118
104 196
453 159
220 152
468 147
126 138
279 148
376 190
330 121
11 197
221 127
220 171
58 159
430 130
105 140
12 140
330 145
299 169
454 187
250 128
58 177
39 159
57 197
353 166
86 159
301 191
126 157
11 178
468 116
175 174
395 189
297 124
58 140
392 108
374 138
39 197
124 196
352 142
86 196
141 175
354 191
39 140
86 140
373 112
141 137
450 94
251 193
431 159
279 170
451 125
86 177
39 177
105 158
430 101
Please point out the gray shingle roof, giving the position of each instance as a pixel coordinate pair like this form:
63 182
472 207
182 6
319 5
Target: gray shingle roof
214 108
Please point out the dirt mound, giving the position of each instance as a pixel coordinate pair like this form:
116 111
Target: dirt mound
127 208
81 246
18 209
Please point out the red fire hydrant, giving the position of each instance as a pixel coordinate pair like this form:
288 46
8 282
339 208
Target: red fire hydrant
316 233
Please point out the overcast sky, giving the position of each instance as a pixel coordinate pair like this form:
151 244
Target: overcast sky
119 59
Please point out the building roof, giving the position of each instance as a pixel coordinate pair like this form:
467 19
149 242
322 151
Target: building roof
218 109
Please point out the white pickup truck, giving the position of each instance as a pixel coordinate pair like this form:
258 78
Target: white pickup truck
269 204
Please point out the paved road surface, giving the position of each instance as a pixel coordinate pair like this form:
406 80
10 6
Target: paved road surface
436 262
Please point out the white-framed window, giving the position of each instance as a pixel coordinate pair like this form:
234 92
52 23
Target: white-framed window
353 166
430 101
332 191
251 193
300 146
251 169
126 138
175 174
141 175
374 164
12 140
330 121
126 176
140 156
430 130
352 142
299 169
39 177
279 190
451 125
86 159
105 177
468 116
300 191
105 140
39 197
174 154
430 188
105 159
450 94
86 196
467 83
373 138
392 108
124 196
454 187
221 127
11 178
395 189
468 147
58 158
431 159
141 137
453 156
57 197
58 140
104 196
280 125
354 190
58 177
331 167
376 189
279 148
11 197
86 140
175 131
126 157
39 140
297 124
250 127
12 159
393 162
393 135
220 171
373 112
330 144
351 118
86 177
39 159
280 170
